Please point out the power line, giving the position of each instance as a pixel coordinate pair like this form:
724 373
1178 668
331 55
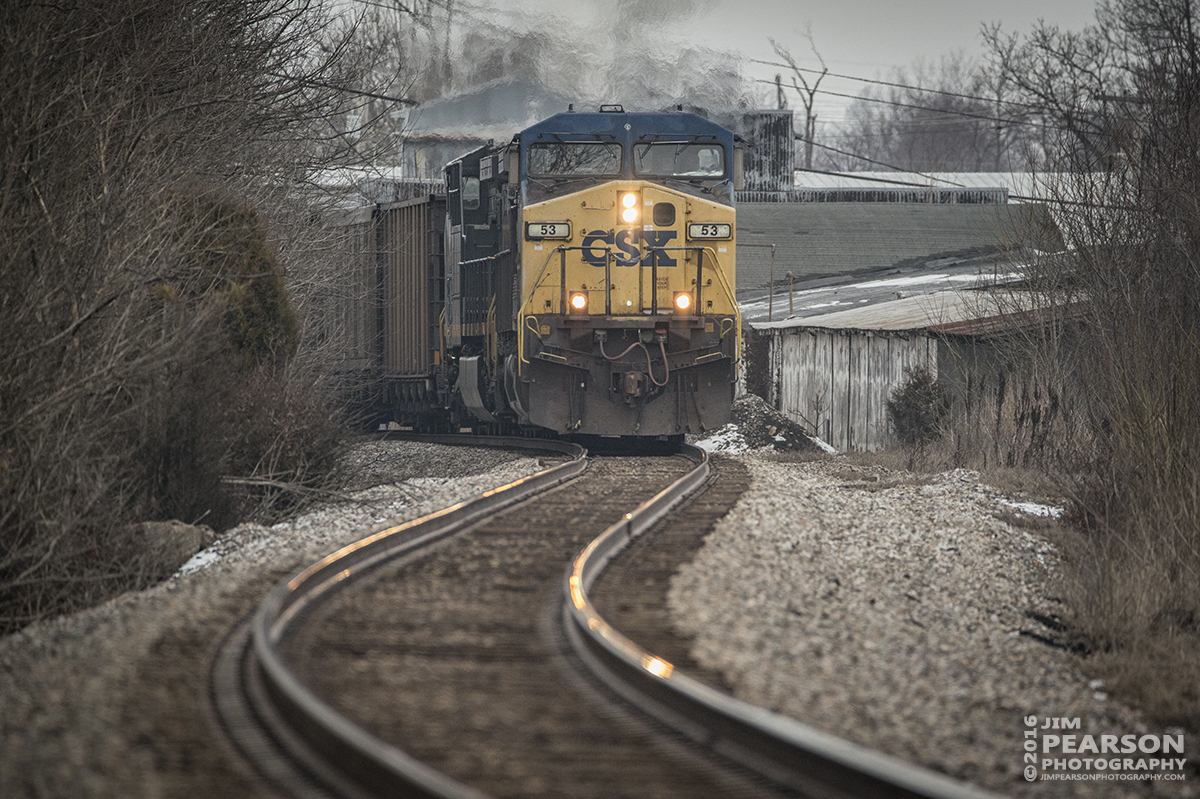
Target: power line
876 179
444 4
388 6
982 117
895 85
358 92
459 6
877 163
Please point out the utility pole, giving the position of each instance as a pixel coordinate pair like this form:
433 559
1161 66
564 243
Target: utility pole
808 94
447 63
810 133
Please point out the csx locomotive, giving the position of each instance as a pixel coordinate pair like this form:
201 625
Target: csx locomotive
587 281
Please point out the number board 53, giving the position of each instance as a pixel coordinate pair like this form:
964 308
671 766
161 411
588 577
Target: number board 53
702 230
547 230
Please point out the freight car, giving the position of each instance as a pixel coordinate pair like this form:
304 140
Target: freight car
581 281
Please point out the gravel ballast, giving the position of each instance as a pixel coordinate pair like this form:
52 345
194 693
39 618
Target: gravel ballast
888 608
113 702
898 611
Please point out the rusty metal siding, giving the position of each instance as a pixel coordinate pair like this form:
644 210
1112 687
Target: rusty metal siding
342 319
837 382
408 254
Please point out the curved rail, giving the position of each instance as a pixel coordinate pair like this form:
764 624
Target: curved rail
784 750
354 763
366 765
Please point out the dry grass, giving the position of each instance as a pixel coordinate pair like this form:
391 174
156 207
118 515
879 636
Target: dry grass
1129 584
1093 400
1160 675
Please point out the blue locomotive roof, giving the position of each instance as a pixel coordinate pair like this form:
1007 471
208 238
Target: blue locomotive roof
627 128
614 123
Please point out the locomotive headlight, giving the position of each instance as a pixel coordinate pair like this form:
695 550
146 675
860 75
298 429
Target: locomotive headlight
683 301
629 213
578 301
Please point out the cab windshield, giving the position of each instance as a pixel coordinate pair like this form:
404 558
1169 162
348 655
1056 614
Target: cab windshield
574 159
679 159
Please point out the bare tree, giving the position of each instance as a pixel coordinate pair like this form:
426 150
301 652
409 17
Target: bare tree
933 117
1063 80
127 125
1124 98
806 89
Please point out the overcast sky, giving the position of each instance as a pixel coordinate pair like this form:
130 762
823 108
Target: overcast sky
868 38
860 38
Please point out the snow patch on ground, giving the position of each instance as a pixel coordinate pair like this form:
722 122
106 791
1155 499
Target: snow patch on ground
727 439
1032 508
824 447
200 561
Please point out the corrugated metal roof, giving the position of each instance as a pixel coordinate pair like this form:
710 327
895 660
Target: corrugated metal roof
951 312
941 195
1019 184
816 239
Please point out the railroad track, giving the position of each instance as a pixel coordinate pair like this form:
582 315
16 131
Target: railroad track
450 657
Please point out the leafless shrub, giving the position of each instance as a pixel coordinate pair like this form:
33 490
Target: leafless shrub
126 123
1125 96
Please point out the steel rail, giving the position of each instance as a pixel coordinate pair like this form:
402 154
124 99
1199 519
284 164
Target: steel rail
350 759
784 750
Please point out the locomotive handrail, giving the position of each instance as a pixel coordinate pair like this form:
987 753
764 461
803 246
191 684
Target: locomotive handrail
489 290
485 258
731 295
541 276
525 320
700 249
523 314
489 330
442 337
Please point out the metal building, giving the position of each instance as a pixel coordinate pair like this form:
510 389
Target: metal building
820 239
834 373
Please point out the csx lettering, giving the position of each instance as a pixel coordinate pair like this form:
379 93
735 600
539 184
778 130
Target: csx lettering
590 254
627 243
660 238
